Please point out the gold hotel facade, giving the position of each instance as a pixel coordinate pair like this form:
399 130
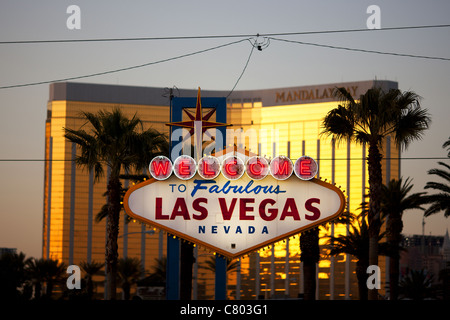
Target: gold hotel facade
287 122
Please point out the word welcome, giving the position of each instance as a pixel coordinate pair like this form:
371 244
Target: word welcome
232 168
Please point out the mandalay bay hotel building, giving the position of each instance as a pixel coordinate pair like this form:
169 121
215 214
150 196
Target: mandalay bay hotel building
291 120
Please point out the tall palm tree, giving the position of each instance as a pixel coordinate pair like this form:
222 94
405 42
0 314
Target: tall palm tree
122 144
129 272
376 115
440 201
395 201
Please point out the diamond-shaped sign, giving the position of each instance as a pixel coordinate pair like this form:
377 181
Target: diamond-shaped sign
234 217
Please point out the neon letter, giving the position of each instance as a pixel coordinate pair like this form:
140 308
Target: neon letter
184 168
228 166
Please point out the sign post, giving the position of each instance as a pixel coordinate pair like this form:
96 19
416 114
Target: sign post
197 124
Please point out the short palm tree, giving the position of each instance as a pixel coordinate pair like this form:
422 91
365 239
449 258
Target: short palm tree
13 276
210 264
440 201
45 271
91 269
396 199
417 285
129 272
368 121
160 268
110 138
356 243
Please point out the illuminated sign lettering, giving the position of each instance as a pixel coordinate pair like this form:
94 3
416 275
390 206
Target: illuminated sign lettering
160 168
184 167
305 168
257 168
215 205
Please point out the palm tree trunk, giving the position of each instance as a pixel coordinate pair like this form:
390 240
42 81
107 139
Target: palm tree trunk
361 275
310 254
374 217
112 230
394 230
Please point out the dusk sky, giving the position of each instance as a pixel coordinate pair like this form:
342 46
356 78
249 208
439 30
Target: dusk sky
279 64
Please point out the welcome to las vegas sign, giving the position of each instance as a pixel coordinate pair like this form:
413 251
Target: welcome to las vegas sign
232 207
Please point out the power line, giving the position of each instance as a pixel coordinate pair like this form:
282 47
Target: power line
222 36
238 41
318 159
360 50
124 69
243 70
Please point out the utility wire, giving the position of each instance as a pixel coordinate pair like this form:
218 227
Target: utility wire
318 159
360 50
223 36
238 41
245 67
124 69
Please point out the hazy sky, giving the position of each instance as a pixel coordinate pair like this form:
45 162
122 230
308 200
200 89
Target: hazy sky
23 110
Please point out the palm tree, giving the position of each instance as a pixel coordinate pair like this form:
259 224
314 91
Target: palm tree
417 285
54 273
211 265
159 270
356 243
440 201
13 276
309 255
377 115
90 269
45 271
120 143
395 201
129 272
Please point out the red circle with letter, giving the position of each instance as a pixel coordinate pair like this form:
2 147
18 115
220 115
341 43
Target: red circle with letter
160 168
233 168
257 168
184 167
281 167
208 167
305 168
